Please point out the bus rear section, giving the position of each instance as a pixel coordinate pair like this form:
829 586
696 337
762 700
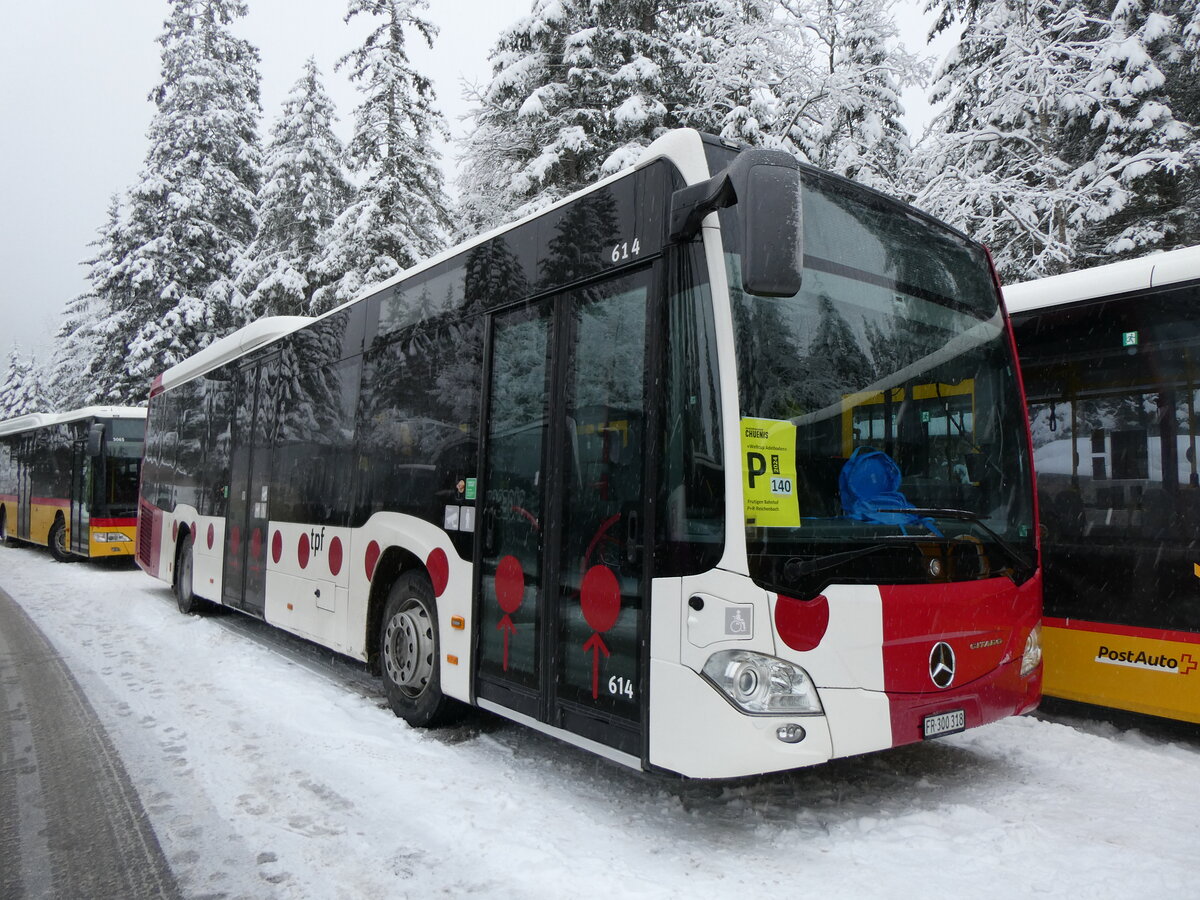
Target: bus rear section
69 481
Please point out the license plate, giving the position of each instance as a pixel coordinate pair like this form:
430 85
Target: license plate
945 723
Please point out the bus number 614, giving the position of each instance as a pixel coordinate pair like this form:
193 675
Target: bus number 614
620 687
624 250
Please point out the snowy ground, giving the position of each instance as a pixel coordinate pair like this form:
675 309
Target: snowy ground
271 769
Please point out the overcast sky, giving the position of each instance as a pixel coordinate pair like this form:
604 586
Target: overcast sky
74 78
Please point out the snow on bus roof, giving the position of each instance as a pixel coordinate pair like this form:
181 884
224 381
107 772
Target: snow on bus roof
40 420
1159 269
232 346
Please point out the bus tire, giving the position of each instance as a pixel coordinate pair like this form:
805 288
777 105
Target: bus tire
3 526
57 541
409 653
185 596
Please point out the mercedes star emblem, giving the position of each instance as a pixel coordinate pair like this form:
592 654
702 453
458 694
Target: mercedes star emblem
941 664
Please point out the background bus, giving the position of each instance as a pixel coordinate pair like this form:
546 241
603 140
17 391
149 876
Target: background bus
1111 358
70 480
589 472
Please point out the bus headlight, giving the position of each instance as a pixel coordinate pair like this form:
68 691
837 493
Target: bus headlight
1033 651
110 537
762 685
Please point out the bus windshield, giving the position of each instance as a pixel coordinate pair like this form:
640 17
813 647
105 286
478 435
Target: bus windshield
117 493
883 435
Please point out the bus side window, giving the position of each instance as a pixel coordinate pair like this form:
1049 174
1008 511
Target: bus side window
691 524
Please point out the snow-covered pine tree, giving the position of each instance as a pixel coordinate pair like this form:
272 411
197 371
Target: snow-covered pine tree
79 375
1141 144
191 212
578 87
1183 81
400 215
305 187
861 133
68 381
21 390
1055 123
818 78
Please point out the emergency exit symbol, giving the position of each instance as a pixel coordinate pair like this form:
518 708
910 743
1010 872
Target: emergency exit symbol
510 593
600 600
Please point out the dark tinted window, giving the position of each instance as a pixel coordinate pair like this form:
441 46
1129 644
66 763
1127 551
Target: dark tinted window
314 435
8 473
418 418
190 458
692 494
1113 408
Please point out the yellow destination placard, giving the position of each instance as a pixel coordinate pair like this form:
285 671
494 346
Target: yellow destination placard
769 473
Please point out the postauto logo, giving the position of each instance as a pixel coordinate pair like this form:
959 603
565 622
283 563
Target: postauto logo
1140 659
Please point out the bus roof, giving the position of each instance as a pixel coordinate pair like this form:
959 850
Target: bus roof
41 420
232 346
1157 270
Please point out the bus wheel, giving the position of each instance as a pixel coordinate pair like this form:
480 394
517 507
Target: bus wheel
3 526
186 599
408 642
58 542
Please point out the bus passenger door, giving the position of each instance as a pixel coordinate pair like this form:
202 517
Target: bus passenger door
81 491
247 515
562 568
24 457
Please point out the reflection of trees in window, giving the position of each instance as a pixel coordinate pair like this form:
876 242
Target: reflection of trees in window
837 363
418 408
494 275
585 228
189 454
900 338
310 386
8 475
218 400
771 373
519 375
315 391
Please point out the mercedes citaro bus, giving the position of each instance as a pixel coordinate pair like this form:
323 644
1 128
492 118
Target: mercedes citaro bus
719 467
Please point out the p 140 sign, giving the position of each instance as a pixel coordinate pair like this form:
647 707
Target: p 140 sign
769 473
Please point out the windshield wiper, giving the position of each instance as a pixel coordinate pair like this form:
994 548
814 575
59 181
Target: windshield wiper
966 515
798 568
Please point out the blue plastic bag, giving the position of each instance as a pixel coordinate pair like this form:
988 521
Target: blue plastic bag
870 483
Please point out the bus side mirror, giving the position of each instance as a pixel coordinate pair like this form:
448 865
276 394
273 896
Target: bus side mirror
95 439
765 185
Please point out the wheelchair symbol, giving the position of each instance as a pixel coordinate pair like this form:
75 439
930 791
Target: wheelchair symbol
735 622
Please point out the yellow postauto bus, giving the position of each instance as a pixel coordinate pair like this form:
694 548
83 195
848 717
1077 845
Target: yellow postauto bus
70 480
1111 361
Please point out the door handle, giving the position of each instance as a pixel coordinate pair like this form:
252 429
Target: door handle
633 537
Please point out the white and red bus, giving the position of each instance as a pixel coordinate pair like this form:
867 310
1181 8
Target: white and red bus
1111 356
718 467
69 481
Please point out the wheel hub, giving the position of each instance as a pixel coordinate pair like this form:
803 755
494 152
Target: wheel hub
407 651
